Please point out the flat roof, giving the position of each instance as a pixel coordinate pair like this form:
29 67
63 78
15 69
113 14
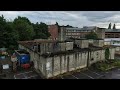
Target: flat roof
109 46
112 30
111 39
78 38
30 44
75 50
43 41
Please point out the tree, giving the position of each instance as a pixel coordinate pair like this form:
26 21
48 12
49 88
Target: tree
109 27
114 26
69 26
24 27
8 35
41 31
57 24
91 35
107 53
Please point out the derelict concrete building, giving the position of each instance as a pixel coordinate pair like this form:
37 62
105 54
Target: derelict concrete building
52 58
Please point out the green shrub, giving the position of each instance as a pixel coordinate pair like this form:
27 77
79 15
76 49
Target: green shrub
106 65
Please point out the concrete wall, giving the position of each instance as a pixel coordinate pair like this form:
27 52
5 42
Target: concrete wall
69 45
55 47
56 69
62 46
62 34
53 66
78 61
84 58
91 41
95 56
112 53
63 64
107 43
102 54
98 43
100 33
49 67
117 48
82 43
71 60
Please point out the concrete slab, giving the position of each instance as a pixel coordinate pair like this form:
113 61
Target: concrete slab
68 77
27 75
79 75
91 74
96 71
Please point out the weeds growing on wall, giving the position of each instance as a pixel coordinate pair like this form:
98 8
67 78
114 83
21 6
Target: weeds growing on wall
106 65
107 53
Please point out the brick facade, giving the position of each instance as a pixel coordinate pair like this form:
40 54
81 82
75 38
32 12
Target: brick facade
53 30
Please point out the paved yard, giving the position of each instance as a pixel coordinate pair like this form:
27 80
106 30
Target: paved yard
87 74
23 74
94 74
113 74
27 75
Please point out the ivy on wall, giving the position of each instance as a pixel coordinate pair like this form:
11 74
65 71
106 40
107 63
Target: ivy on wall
107 53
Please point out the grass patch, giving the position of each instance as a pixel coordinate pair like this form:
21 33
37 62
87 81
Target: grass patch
106 65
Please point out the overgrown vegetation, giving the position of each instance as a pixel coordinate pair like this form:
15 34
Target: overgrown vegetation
20 29
91 35
106 65
107 53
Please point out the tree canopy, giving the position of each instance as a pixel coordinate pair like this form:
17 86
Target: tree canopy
107 53
24 27
8 35
20 29
41 30
109 27
91 35
114 26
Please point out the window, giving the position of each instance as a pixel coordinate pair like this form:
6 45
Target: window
92 59
97 54
68 58
39 48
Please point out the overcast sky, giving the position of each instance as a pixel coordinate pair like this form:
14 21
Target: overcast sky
74 18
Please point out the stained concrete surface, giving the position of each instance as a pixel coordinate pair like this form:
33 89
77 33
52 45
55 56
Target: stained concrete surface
94 74
112 74
23 74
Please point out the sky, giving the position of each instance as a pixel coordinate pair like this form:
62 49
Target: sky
74 18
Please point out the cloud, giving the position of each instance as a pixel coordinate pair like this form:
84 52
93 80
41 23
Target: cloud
75 18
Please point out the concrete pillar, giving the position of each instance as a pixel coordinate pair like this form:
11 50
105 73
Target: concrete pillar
62 34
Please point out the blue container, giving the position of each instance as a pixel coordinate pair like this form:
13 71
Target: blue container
2 57
23 58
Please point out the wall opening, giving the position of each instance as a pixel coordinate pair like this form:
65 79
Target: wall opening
39 48
68 59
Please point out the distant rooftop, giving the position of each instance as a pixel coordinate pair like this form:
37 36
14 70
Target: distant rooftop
112 39
112 30
42 41
75 50
88 28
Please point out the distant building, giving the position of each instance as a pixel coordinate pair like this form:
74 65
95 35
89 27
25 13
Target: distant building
52 58
112 41
112 33
63 32
53 30
82 32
